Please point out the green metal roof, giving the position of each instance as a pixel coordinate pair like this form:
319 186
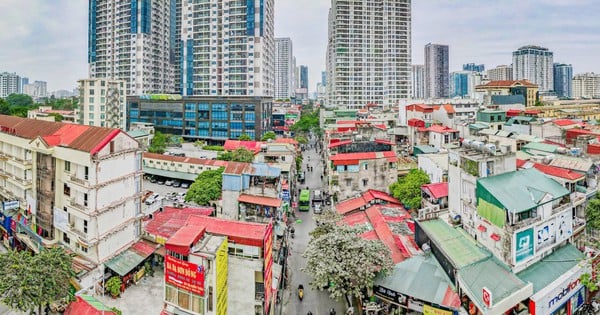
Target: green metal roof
425 149
170 174
95 303
519 118
124 262
421 277
551 267
493 275
460 248
540 146
137 133
519 191
479 126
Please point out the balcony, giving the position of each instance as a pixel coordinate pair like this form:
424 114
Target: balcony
75 204
79 181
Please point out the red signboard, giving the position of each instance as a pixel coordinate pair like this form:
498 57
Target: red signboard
184 275
268 274
487 297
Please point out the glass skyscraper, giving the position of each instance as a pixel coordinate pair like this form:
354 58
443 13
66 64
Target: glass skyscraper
563 78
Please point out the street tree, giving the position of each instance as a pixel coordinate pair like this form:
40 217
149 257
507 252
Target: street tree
301 139
343 262
244 137
158 143
269 135
592 218
592 213
309 121
30 282
237 155
408 188
206 188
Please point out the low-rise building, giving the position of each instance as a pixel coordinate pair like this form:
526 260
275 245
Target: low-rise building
56 188
216 266
178 167
49 114
435 165
509 89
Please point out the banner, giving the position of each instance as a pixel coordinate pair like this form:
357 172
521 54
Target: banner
523 245
430 310
268 257
184 275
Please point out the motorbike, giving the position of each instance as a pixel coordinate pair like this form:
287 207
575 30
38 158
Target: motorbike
300 292
292 231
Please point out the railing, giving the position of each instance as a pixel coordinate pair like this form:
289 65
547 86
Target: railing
561 208
79 181
76 205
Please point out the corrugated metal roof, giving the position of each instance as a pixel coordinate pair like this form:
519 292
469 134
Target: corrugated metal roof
260 200
437 190
362 155
493 275
540 146
165 223
421 277
551 267
572 163
246 233
522 190
461 249
352 204
184 159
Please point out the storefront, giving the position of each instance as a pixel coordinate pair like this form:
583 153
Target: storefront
558 289
130 264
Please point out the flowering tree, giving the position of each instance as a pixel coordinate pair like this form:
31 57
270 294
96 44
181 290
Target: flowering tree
341 261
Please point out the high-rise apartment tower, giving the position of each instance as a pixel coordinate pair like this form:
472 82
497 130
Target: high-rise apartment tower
284 73
437 73
534 63
368 52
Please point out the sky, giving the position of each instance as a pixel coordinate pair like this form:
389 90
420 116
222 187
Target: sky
47 40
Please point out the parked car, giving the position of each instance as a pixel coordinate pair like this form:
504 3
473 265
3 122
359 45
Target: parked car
153 179
185 185
160 181
147 194
169 182
176 183
317 208
150 200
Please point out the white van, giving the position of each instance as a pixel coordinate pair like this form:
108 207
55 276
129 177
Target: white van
150 200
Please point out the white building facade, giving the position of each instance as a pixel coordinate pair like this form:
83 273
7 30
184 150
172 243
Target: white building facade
284 71
368 53
586 85
228 47
500 73
102 103
10 83
536 64
133 41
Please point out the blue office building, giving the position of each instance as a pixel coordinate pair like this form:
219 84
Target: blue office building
459 84
563 77
304 77
473 67
214 119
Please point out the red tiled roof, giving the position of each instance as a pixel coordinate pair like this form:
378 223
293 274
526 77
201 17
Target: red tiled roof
245 233
559 172
352 204
564 122
82 307
437 190
449 109
143 248
440 129
185 159
414 122
235 167
356 218
167 222
520 163
349 122
532 112
78 137
362 155
370 235
513 112
419 108
231 145
184 239
508 83
260 200
286 140
346 162
339 143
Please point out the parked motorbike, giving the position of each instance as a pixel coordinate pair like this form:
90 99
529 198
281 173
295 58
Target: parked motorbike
300 292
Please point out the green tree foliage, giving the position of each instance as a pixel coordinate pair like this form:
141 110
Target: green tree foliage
4 107
29 282
158 143
23 100
68 103
57 117
408 188
308 121
592 213
337 257
237 155
269 135
244 137
206 188
301 139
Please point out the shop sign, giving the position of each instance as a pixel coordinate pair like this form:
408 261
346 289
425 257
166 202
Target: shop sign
268 257
430 310
390 295
415 305
523 249
487 297
185 275
551 300
10 205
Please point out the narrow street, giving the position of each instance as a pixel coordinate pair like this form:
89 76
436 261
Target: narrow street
315 301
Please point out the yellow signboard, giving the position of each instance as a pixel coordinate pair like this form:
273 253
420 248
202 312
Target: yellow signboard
221 269
430 310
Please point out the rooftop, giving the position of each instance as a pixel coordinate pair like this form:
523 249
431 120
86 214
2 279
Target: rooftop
507 83
358 156
185 159
436 190
519 191
165 223
352 204
245 233
231 145
551 170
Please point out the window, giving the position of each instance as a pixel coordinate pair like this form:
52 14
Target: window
67 190
365 182
66 238
210 299
85 225
67 166
85 199
348 182
86 172
365 166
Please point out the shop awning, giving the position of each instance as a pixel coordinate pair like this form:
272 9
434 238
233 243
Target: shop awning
126 261
423 278
260 200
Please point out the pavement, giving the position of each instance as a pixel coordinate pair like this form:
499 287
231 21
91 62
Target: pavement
144 298
190 150
316 301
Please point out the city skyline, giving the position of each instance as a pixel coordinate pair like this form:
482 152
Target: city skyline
49 41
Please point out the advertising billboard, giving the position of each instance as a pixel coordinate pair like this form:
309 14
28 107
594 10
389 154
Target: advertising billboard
268 272
184 275
221 262
430 310
523 245
554 231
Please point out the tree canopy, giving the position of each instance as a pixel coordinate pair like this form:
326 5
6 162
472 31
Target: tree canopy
237 155
309 121
343 262
158 143
269 135
408 188
592 213
244 137
20 100
206 188
29 282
